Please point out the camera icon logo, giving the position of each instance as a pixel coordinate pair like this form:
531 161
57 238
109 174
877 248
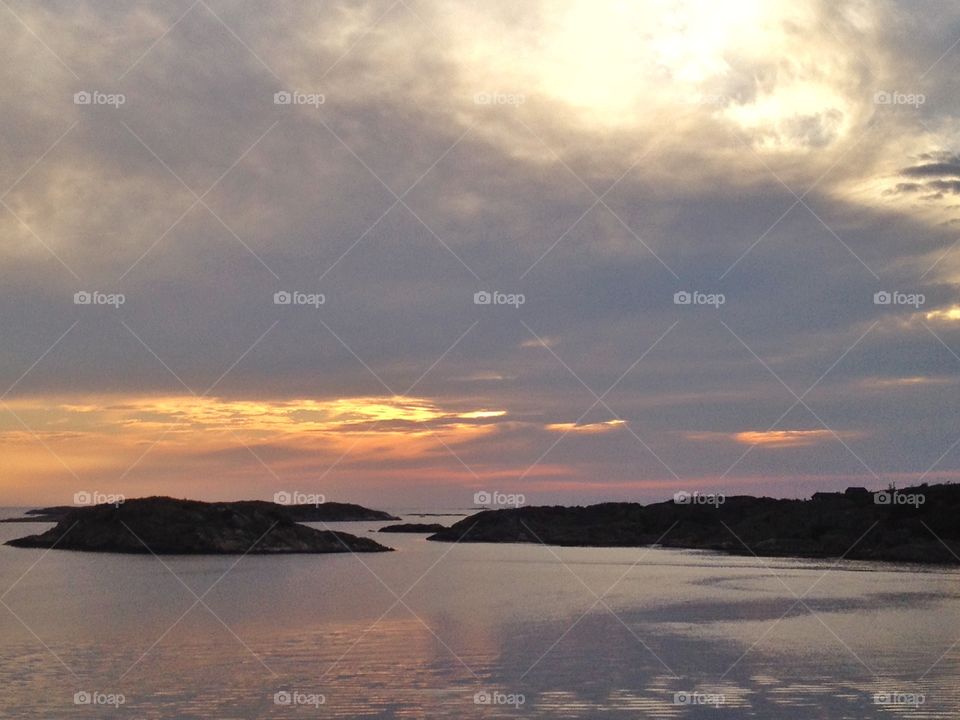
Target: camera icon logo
82 498
882 97
482 697
882 298
482 498
682 497
282 498
82 298
682 297
482 298
82 98
82 697
282 98
283 697
882 498
282 297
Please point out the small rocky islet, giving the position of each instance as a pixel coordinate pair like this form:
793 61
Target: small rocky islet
47 514
169 526
426 528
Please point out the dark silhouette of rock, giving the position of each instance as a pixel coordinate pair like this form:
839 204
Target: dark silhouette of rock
50 514
912 525
414 528
165 526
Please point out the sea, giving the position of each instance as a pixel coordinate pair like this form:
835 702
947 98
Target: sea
444 630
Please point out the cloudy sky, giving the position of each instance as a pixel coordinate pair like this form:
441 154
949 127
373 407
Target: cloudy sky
166 169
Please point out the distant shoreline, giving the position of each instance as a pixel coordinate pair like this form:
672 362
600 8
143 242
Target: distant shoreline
914 525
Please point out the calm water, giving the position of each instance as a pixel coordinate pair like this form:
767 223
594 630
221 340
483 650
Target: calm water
506 620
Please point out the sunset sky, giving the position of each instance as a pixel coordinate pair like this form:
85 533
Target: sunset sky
790 160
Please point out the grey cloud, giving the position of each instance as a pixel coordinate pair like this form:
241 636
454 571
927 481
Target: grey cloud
932 169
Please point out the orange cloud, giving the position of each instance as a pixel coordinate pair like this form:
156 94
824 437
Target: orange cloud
773 438
951 314
46 441
587 429
783 438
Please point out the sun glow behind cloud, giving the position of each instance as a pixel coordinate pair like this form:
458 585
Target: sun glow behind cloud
296 417
764 68
105 435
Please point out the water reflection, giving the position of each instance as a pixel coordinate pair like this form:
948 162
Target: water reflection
681 635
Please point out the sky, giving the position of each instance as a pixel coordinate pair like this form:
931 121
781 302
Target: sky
245 248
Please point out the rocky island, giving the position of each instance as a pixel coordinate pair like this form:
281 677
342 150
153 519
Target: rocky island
916 525
166 526
414 528
48 514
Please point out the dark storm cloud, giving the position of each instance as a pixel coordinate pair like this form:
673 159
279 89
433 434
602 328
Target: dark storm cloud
950 186
932 170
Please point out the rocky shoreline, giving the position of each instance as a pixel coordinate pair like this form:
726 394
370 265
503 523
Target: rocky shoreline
915 525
